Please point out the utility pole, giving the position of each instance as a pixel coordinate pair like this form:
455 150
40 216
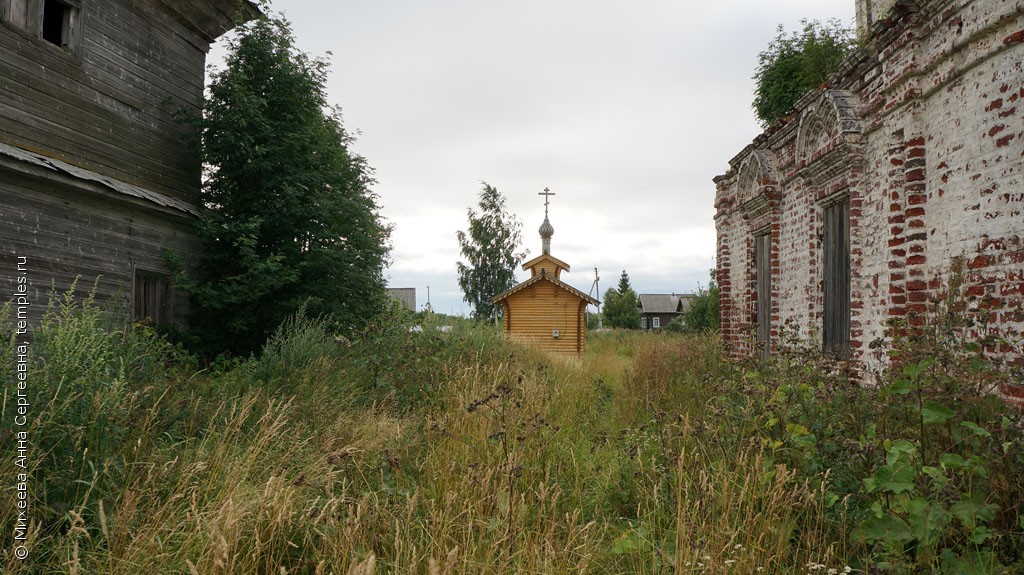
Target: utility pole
597 285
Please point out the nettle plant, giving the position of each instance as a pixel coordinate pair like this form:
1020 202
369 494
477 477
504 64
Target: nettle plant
519 430
922 471
946 492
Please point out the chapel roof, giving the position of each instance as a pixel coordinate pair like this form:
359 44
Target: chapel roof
544 276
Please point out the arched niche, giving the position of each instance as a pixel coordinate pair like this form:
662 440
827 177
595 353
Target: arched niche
758 185
830 122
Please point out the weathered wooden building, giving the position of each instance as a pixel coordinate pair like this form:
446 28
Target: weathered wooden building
659 310
544 310
405 296
98 167
898 184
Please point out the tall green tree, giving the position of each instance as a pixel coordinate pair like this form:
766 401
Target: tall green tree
289 215
795 63
620 305
489 248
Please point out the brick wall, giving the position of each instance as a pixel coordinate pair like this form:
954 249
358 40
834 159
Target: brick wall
924 132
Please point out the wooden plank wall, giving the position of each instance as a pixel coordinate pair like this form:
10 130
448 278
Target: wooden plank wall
113 106
537 310
68 232
836 277
663 319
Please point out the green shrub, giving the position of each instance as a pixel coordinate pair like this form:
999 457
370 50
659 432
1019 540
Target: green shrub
702 312
794 64
93 381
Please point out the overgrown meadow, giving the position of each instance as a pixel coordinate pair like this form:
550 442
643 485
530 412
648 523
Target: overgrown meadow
437 452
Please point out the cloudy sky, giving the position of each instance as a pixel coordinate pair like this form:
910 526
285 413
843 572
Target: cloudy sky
625 110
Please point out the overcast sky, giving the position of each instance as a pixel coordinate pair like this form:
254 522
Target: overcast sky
625 110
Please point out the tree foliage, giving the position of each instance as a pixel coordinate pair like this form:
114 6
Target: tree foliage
795 63
620 305
289 215
702 313
489 249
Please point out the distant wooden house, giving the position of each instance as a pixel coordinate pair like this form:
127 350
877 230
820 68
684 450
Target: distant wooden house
98 172
659 310
404 296
544 310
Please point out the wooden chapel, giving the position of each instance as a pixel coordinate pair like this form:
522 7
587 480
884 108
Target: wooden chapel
544 310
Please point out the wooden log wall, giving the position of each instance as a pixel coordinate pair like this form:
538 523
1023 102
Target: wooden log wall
532 314
113 105
70 230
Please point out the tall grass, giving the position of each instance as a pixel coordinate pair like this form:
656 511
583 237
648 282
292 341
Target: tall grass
430 452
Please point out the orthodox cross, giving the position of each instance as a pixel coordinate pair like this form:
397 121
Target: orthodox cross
546 193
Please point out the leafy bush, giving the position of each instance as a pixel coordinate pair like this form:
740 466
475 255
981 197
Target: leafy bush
702 312
920 473
93 382
796 63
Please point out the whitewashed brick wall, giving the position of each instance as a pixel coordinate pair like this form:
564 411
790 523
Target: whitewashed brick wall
924 130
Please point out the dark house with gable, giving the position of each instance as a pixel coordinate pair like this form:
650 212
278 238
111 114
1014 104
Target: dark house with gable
98 172
659 310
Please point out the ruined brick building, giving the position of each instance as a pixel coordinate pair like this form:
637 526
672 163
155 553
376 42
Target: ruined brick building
97 171
851 215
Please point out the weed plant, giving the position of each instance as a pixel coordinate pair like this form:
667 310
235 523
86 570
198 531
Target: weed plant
413 449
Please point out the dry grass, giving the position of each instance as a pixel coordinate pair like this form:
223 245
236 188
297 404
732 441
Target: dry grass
741 514
518 464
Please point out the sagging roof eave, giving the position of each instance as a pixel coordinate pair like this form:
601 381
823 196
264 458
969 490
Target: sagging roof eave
29 162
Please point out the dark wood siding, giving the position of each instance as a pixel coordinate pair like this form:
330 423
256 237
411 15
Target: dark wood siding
71 233
114 105
836 277
647 320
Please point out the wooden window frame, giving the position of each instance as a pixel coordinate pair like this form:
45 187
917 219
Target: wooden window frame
655 322
32 21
